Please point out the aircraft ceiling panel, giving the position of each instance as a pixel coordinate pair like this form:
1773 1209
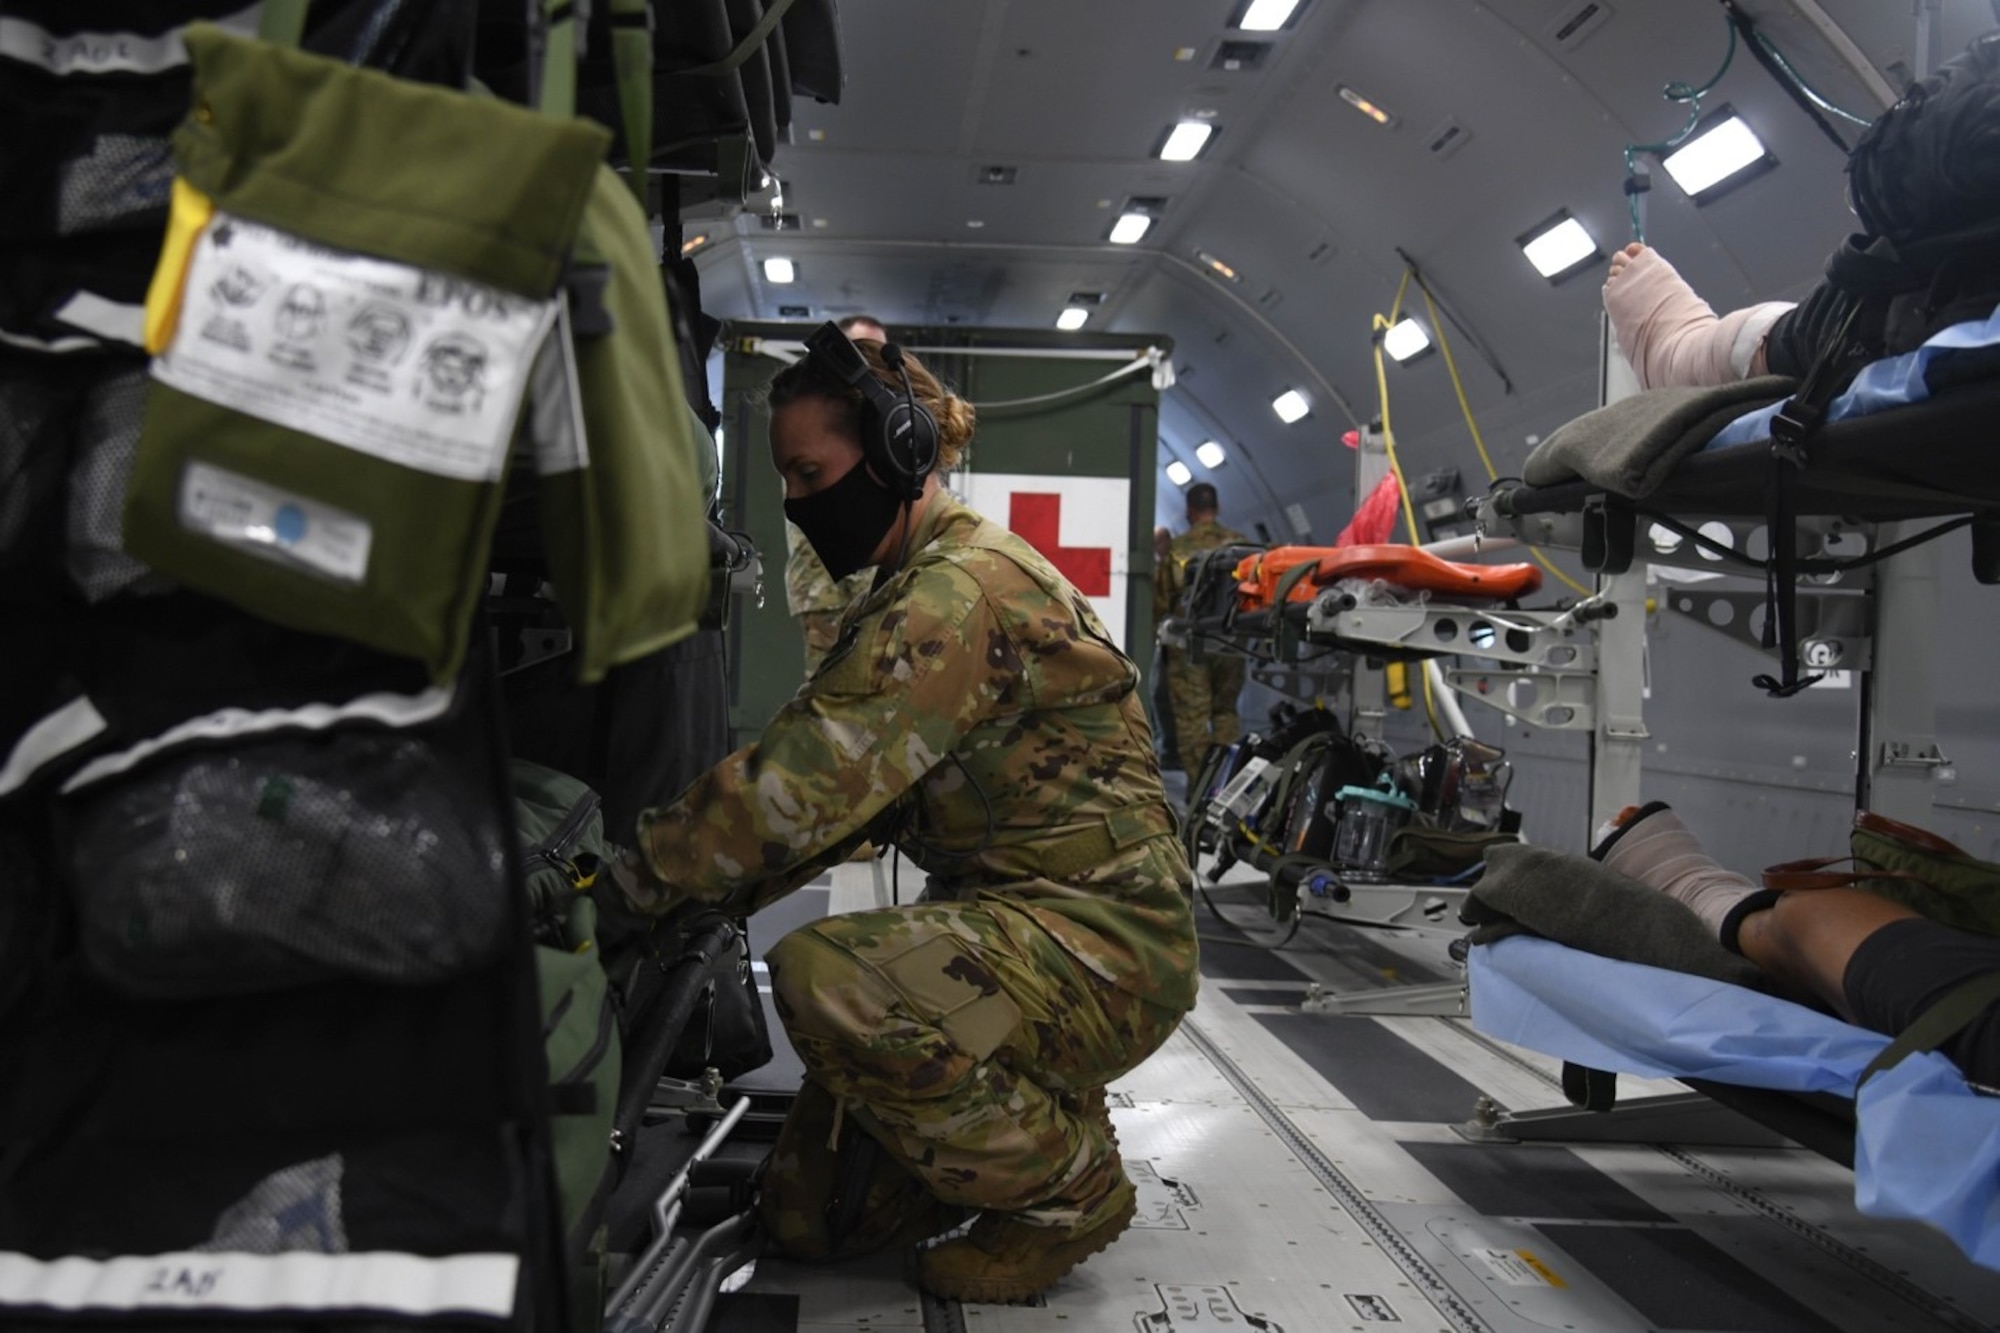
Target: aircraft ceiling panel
939 92
905 68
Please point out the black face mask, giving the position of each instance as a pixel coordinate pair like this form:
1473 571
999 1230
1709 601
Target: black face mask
845 522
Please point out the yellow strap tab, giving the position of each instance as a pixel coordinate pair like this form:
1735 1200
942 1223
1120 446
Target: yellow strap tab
189 213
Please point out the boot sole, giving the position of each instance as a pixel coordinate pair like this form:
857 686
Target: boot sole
1060 1260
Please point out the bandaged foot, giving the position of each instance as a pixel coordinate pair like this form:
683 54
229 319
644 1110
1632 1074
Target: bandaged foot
1575 901
1653 846
1670 335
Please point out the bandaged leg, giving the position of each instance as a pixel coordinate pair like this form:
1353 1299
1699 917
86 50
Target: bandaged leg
1654 847
1671 336
1575 901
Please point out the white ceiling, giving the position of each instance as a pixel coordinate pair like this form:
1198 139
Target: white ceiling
1307 199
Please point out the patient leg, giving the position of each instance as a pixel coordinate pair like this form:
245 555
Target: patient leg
1670 335
1653 846
1806 939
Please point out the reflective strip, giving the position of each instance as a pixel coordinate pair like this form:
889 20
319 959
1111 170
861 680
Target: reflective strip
479 1284
58 733
49 344
105 318
395 710
108 52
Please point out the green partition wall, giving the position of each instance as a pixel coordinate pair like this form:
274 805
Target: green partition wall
1068 433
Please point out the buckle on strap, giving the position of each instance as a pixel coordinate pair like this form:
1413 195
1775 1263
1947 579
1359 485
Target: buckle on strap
1794 424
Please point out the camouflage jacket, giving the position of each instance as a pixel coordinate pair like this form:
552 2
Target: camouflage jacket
1170 582
977 714
808 587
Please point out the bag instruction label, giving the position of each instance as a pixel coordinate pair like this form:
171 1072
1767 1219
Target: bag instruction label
245 513
402 363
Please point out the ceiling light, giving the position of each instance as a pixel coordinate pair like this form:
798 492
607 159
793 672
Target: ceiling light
1266 15
1405 339
1210 453
1217 267
1364 106
1072 318
1558 247
1290 406
1129 228
1716 155
779 270
1186 140
693 243
1179 473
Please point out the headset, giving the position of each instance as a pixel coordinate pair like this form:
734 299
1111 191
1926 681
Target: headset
899 437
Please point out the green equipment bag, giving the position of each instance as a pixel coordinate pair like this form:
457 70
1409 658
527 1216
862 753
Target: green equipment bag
359 275
623 507
1420 852
562 835
1908 865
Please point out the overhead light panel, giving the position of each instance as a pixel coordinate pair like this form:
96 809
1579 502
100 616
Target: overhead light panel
780 270
1211 454
1558 247
1365 107
693 243
1291 405
1129 228
1406 338
1179 473
1072 318
1266 15
1186 140
1716 155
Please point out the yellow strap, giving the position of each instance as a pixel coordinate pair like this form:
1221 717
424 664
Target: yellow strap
189 212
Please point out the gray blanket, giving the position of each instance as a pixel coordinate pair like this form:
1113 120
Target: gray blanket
1629 447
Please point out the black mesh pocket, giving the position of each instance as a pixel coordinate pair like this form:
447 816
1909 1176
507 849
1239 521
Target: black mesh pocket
286 862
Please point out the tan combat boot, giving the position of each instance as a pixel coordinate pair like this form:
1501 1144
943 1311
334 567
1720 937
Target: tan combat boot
1005 1258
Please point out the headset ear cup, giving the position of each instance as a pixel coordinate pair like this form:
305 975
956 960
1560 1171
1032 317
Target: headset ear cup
919 450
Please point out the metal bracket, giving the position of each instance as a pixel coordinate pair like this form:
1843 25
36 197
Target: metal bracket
1443 1000
1689 1118
1834 633
1557 700
1902 754
1547 639
1425 908
686 1096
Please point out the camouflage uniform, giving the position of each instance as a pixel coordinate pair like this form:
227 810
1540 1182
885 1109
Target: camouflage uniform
1203 693
815 600
975 712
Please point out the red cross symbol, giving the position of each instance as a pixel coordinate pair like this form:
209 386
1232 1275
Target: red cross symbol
1036 517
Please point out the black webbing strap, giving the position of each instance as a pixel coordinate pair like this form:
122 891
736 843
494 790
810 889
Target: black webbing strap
1937 1024
744 49
1791 432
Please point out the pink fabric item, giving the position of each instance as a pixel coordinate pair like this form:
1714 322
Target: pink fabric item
1375 521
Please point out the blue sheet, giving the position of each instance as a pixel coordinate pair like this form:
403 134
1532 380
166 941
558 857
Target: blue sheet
1926 1147
1896 381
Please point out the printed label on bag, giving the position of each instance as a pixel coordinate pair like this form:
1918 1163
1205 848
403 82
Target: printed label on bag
402 363
239 511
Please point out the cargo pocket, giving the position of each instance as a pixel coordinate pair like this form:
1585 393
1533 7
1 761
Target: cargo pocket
946 982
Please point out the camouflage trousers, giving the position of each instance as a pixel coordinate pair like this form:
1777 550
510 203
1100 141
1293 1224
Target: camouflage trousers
1204 704
967 1044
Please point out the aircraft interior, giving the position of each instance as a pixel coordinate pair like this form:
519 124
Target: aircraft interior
559 554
